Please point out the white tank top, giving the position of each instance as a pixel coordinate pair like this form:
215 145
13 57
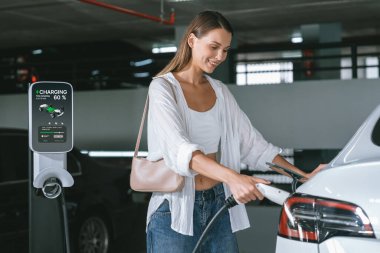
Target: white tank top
205 129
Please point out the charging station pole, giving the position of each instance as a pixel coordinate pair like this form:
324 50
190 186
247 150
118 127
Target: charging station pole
50 138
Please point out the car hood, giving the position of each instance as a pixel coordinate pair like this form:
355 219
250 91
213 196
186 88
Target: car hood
355 183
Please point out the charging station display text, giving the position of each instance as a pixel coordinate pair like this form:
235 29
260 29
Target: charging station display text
51 116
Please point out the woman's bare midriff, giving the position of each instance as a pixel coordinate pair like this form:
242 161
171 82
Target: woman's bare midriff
203 183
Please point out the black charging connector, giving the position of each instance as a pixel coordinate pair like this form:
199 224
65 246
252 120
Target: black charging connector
294 175
230 202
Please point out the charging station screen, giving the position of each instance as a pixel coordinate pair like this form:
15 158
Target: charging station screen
50 110
52 134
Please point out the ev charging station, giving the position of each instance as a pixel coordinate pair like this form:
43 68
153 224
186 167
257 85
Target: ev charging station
50 138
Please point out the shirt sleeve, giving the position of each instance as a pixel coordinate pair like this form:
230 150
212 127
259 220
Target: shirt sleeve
169 128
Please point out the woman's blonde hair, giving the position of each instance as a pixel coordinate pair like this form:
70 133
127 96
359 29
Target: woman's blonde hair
203 23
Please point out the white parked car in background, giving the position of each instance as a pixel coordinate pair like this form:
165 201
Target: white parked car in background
338 210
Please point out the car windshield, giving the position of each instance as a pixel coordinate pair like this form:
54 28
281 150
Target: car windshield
376 133
364 145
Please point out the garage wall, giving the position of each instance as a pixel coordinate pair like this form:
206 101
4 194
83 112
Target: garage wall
313 114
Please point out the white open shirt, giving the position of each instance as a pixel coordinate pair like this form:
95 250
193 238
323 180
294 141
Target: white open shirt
168 128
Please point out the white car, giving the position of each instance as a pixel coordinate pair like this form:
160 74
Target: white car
338 210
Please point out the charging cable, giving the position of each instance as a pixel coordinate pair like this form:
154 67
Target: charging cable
274 194
230 202
65 223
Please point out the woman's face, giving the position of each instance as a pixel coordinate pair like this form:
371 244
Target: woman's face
210 50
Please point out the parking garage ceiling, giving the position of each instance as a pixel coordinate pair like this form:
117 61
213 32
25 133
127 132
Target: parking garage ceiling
39 23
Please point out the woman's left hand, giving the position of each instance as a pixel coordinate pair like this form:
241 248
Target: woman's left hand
313 173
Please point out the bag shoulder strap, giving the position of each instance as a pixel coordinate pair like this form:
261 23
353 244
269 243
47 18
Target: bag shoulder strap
146 107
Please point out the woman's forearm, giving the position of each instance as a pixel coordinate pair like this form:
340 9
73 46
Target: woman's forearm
210 168
284 163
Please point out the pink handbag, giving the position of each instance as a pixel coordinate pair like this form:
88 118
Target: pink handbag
148 176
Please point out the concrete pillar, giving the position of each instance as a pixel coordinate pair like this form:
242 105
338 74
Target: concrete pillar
179 31
330 33
318 34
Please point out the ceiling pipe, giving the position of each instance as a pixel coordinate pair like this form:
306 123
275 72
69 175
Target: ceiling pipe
134 13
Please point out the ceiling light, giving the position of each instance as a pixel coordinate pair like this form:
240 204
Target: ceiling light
141 74
297 37
169 49
141 63
37 51
113 153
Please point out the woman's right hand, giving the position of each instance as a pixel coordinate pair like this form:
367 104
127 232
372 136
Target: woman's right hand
244 188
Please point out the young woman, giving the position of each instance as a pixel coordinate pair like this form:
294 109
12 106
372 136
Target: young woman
195 124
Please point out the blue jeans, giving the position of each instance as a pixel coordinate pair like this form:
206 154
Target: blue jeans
162 239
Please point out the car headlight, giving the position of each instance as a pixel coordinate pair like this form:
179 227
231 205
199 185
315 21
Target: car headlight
314 219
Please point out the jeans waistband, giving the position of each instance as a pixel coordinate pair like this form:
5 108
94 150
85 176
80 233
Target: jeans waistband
209 194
